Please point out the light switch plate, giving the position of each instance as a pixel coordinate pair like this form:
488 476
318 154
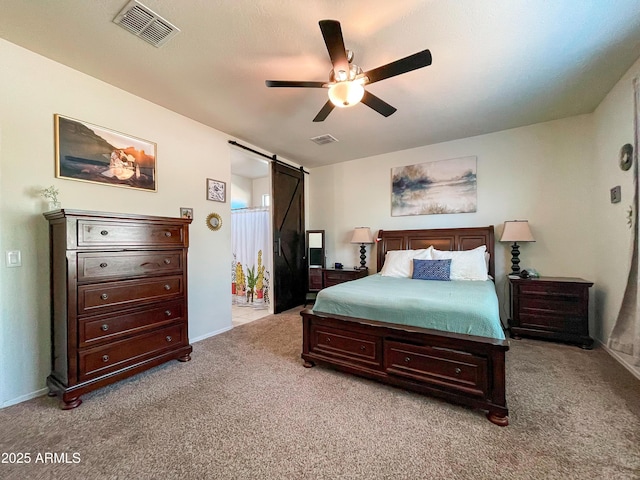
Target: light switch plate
14 258
616 194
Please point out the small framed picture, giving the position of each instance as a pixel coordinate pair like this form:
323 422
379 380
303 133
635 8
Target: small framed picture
216 190
186 213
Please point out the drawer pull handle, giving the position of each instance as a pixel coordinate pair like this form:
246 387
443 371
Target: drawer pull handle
104 296
167 261
407 359
103 265
168 338
167 313
105 327
167 287
363 348
104 233
457 370
167 234
105 358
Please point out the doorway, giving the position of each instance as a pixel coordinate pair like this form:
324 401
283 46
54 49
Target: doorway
251 265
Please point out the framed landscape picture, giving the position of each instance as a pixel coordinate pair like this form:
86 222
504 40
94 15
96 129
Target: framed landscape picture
440 187
91 153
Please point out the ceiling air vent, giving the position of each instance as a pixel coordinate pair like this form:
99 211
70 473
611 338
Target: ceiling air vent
324 139
146 24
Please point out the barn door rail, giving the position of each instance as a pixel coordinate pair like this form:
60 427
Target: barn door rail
272 158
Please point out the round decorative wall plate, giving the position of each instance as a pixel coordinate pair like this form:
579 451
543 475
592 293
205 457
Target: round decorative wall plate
214 221
626 156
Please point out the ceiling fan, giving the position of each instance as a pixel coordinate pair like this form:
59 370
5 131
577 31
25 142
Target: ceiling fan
347 80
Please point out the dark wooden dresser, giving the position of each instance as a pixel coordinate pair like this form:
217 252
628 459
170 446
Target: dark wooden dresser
118 298
315 279
334 276
555 308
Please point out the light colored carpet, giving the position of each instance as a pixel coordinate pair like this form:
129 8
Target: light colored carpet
245 408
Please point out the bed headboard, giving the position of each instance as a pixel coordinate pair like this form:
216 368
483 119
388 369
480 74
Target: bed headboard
440 238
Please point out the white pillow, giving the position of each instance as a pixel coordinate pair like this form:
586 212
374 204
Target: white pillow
465 264
399 263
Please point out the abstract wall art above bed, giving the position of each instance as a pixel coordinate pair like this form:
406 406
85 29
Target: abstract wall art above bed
443 186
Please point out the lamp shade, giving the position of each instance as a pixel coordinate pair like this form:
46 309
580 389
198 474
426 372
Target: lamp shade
346 94
362 235
516 231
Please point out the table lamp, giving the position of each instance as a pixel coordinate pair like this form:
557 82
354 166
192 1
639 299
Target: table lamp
362 235
516 231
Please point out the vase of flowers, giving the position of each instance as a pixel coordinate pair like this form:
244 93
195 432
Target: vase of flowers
51 195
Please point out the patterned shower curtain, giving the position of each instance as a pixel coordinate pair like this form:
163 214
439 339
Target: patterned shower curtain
625 336
251 266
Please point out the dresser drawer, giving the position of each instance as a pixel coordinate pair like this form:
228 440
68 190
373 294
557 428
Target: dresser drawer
110 234
345 345
550 306
127 293
98 361
315 279
437 366
334 277
110 327
338 277
563 291
100 266
551 323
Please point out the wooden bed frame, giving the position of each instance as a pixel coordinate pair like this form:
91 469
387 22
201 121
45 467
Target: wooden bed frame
463 369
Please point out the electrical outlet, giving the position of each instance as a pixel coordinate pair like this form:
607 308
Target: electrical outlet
14 258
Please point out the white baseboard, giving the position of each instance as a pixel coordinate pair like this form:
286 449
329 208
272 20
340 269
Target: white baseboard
635 371
211 334
24 398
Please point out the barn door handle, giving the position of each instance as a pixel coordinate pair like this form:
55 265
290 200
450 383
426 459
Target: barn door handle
279 246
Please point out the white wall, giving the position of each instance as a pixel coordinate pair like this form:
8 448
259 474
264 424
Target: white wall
247 191
260 186
613 128
241 191
541 173
33 90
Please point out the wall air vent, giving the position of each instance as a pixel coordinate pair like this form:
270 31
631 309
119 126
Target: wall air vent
324 139
146 24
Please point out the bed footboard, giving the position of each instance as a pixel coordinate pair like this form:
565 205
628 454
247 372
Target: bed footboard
462 369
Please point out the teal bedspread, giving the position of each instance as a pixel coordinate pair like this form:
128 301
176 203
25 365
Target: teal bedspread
465 307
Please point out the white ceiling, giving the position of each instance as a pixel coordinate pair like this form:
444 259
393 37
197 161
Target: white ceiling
497 64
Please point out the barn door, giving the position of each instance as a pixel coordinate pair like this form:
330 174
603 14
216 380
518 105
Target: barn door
289 286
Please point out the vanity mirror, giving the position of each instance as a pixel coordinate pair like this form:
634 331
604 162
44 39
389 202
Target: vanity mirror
315 258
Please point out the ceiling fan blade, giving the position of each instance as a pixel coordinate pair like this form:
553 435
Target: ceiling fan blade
332 34
324 112
404 65
292 83
379 105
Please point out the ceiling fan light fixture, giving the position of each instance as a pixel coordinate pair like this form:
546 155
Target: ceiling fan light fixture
346 94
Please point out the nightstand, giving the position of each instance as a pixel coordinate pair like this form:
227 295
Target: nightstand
333 276
554 308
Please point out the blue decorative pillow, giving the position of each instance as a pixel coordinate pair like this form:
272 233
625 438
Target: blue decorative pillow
431 269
